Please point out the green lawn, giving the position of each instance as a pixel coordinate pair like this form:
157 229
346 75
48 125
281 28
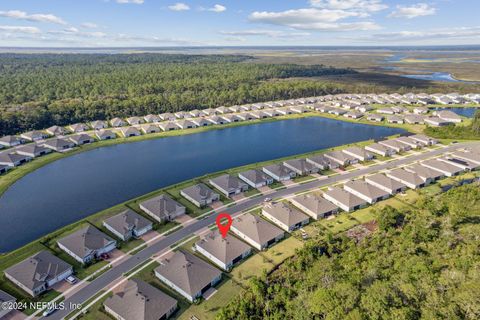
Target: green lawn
301 179
339 223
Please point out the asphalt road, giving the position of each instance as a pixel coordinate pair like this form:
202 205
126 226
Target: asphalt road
114 273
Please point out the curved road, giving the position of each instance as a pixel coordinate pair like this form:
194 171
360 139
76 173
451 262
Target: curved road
114 273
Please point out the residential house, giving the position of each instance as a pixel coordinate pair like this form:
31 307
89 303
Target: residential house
4 168
38 273
216 120
414 119
395 145
32 150
286 217
359 153
467 156
255 231
105 134
395 119
223 252
322 162
200 195
229 185
10 141
341 158
463 164
353 115
380 149
186 124
13 159
255 178
366 191
279 172
129 132
58 144
436 121
98 125
444 167
148 128
56 131
34 135
420 110
117 122
81 139
167 116
414 144
448 115
314 205
78 127
128 224
301 166
138 300
152 118
385 183
427 141
375 117
168 126
343 199
134 121
201 122
188 275
87 244
232 118
386 111
162 208
425 173
194 113
180 115
246 116
408 178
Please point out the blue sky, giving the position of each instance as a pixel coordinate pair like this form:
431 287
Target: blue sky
84 23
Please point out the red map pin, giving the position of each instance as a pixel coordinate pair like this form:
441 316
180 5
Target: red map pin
224 227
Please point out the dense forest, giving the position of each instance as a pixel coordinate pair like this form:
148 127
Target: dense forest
452 131
40 90
422 263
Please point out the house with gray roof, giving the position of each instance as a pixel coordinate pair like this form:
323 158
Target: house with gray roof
463 164
245 116
180 115
216 120
201 122
375 117
81 139
138 300
162 208
105 134
167 116
386 111
98 124
314 205
229 185
467 156
283 215
448 115
255 178
414 119
6 300
380 149
117 122
188 275
58 144
445 167
425 173
149 128
134 120
152 118
385 183
436 121
38 273
128 224
232 118
223 252
186 124
301 166
13 159
255 231
87 244
56 131
279 172
10 141
129 132
360 153
414 144
322 162
34 135
395 119
396 145
353 115
195 113
78 127
32 150
408 178
428 141
200 195
341 158
343 199
366 191
168 126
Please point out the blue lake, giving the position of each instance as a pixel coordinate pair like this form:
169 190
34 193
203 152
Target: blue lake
72 188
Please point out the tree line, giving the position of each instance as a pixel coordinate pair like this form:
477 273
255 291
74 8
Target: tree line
422 263
40 90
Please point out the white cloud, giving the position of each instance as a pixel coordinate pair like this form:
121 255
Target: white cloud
266 33
314 19
360 5
131 1
36 17
413 11
19 29
217 8
89 25
72 31
179 6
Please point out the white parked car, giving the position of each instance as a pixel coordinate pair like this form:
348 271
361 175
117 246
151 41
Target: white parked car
71 279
